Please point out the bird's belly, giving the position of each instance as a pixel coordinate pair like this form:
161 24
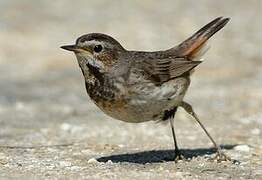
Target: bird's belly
146 102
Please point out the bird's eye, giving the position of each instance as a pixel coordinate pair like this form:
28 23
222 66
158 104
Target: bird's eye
98 48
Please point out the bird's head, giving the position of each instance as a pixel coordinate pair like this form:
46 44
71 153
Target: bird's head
97 50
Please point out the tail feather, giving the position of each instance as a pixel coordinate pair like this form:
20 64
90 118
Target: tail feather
200 52
193 46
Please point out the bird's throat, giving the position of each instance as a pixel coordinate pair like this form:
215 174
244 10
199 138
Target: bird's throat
96 72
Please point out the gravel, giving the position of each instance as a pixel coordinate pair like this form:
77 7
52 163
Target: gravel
51 130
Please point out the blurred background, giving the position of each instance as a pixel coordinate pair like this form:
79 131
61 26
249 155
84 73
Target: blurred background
42 95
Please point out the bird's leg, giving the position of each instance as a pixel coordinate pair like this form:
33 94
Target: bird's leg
220 155
178 154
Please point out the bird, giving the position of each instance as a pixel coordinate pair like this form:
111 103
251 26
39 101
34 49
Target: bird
139 86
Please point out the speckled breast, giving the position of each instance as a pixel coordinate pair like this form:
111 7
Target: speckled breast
138 102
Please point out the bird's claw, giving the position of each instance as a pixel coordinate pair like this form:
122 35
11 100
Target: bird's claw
179 156
220 157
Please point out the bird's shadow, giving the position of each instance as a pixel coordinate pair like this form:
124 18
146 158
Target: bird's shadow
157 156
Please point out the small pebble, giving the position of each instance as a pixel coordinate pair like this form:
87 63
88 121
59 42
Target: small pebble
243 148
65 163
20 106
66 126
109 162
161 168
236 162
92 161
255 131
121 145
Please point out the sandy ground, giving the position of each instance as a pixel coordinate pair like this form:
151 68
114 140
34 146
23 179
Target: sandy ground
51 130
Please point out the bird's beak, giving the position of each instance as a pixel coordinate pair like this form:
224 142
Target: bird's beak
73 48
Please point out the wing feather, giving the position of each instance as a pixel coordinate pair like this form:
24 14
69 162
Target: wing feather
162 70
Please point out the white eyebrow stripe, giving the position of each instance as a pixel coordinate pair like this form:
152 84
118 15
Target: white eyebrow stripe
91 42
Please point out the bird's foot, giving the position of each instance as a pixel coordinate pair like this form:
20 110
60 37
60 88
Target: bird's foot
220 157
179 156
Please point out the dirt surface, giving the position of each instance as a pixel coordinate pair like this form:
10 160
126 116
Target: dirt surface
51 130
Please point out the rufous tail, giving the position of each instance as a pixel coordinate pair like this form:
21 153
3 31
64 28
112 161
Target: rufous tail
194 46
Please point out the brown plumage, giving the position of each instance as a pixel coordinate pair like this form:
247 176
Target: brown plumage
139 86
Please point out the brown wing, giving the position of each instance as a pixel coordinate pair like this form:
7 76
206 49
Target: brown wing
162 70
